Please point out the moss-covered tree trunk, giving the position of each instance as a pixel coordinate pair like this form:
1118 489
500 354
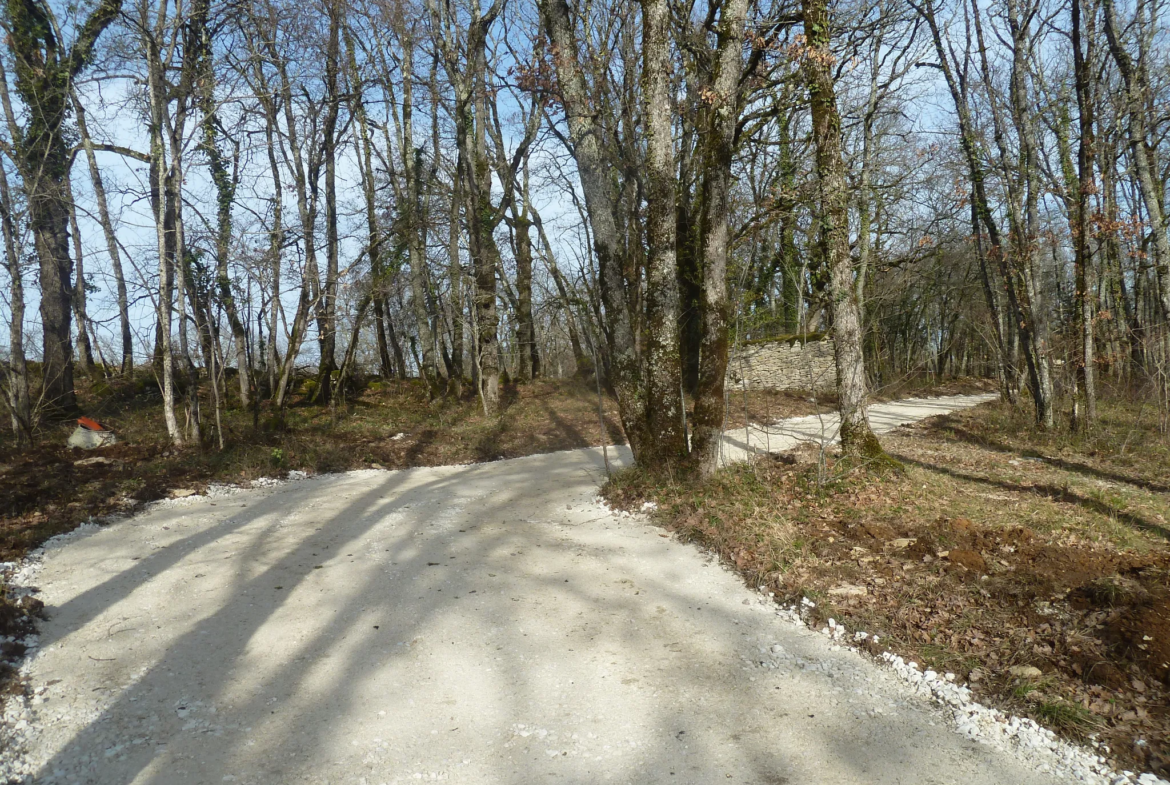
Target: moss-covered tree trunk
720 117
585 142
832 200
45 70
224 177
661 353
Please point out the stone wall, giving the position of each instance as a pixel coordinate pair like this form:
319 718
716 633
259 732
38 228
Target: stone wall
787 364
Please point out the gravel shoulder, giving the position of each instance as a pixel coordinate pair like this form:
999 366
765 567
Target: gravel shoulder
489 623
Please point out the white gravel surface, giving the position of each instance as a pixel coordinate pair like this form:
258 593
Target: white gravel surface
475 624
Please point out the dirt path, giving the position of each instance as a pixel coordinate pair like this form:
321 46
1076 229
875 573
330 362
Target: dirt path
784 435
474 624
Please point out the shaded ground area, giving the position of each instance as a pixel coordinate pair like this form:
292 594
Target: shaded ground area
1036 567
475 624
50 489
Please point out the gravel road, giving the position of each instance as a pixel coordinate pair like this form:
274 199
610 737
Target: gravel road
471 624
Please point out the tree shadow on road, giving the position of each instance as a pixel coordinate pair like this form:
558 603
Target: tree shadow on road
345 597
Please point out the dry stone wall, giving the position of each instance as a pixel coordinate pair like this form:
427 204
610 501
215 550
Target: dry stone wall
789 364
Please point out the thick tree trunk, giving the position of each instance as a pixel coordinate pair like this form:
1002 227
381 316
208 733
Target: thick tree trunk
689 275
720 117
49 221
482 218
857 438
44 72
662 370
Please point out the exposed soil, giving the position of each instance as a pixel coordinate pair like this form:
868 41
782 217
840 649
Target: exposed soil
970 561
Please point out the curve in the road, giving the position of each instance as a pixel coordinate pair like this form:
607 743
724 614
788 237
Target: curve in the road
472 624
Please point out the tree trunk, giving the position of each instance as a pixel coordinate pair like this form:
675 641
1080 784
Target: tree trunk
1142 152
585 144
99 191
224 180
662 370
414 224
17 387
1025 216
719 116
374 248
481 216
455 298
44 72
164 234
523 217
689 273
327 304
1084 59
1020 311
275 244
857 439
80 314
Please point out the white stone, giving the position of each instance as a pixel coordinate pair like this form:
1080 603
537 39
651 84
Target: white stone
85 439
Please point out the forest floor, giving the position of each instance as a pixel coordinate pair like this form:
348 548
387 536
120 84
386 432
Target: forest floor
1035 567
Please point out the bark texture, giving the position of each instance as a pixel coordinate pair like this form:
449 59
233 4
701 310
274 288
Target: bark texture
585 143
45 71
857 438
663 367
